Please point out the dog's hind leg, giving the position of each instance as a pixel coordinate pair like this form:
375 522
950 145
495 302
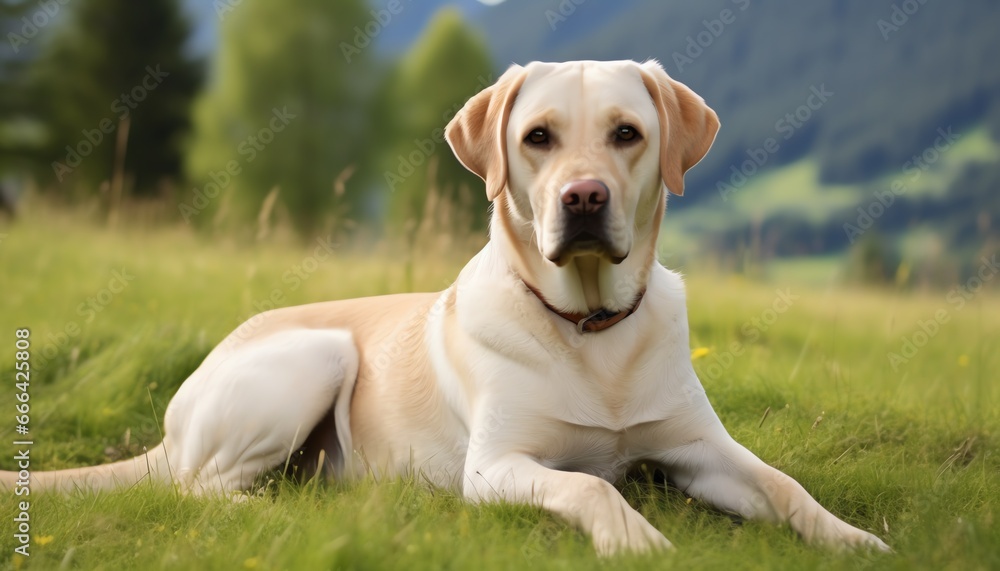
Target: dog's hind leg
248 410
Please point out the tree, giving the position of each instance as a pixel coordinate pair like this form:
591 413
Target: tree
108 61
448 65
16 134
285 108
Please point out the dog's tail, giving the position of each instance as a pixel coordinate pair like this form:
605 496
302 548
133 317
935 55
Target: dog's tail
152 466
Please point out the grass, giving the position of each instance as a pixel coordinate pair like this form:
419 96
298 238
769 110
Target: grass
909 453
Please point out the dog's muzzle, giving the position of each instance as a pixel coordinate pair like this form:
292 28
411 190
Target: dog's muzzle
584 221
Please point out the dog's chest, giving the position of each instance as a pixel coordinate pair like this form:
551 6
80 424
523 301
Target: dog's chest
597 391
591 424
601 389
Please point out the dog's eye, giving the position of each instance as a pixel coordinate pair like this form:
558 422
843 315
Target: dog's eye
626 134
537 137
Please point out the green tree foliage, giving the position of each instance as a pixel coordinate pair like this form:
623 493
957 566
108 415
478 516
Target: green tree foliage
109 60
13 60
447 65
285 109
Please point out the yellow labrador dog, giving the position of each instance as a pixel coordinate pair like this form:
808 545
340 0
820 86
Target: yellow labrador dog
559 358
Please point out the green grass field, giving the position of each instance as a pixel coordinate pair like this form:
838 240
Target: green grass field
906 451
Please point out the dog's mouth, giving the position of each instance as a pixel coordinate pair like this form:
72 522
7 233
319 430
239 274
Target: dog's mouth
584 243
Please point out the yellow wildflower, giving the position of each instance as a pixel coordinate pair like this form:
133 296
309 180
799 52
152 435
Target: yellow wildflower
699 353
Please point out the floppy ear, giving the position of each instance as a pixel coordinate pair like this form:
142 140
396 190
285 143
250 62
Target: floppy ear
687 126
478 132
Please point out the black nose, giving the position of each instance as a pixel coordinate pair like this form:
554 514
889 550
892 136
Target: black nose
584 196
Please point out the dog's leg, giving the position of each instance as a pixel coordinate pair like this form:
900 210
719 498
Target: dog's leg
249 410
715 468
586 501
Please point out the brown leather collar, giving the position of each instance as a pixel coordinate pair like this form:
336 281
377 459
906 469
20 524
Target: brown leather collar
587 323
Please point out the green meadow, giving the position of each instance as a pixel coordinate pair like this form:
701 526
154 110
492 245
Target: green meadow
882 403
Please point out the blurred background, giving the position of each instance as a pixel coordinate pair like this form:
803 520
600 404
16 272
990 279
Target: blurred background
859 139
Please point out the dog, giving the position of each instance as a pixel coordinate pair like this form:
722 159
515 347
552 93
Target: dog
558 359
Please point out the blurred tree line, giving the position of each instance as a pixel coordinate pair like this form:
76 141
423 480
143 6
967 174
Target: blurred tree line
295 116
93 67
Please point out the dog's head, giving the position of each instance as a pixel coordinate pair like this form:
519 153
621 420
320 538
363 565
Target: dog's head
578 153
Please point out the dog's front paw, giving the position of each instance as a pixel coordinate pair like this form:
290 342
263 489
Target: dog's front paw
629 533
843 536
864 540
